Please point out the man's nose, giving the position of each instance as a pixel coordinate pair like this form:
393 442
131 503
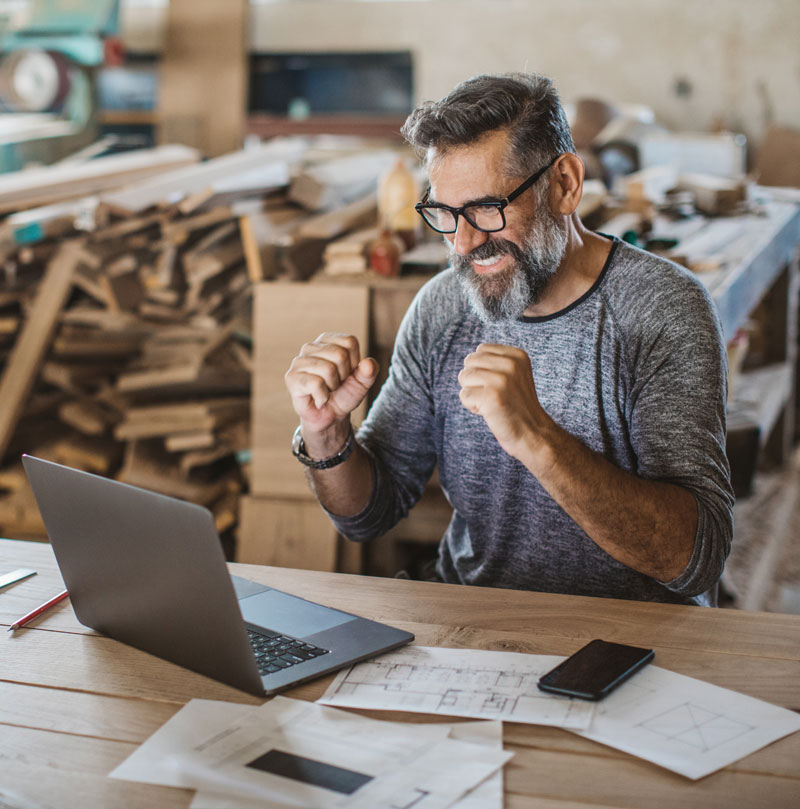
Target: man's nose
466 238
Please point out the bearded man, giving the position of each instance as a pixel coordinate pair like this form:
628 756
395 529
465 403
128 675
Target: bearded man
570 388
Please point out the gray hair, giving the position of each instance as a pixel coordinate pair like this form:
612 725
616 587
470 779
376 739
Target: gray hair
525 104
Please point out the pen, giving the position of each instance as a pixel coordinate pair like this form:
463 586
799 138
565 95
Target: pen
38 611
15 576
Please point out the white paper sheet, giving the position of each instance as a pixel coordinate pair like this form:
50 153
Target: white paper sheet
198 719
487 795
686 725
366 763
206 745
458 682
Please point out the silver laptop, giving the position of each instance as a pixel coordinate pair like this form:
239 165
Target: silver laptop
148 570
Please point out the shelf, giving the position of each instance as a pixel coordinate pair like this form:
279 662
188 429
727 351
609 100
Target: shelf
366 126
758 399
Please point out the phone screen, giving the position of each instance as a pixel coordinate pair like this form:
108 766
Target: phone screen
595 670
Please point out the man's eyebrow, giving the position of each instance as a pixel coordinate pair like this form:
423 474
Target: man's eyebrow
478 201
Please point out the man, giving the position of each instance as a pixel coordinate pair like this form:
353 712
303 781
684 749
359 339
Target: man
570 387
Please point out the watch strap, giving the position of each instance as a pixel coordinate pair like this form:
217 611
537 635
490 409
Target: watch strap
299 452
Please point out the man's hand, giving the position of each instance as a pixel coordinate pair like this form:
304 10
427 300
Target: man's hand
327 381
497 384
647 525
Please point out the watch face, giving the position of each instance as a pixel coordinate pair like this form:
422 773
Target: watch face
298 447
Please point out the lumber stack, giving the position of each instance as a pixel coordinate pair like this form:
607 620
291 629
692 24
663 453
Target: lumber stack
131 359
125 317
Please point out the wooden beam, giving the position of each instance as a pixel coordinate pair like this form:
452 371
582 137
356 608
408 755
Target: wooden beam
26 357
202 98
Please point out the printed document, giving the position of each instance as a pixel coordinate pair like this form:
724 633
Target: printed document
299 754
459 682
487 795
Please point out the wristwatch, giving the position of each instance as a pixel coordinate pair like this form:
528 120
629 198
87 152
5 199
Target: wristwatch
299 452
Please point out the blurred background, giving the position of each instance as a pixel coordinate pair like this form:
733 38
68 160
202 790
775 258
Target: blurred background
189 190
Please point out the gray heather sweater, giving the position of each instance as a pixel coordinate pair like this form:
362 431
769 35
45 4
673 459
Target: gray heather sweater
635 369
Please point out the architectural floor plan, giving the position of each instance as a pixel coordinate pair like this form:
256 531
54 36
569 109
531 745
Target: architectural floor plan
459 682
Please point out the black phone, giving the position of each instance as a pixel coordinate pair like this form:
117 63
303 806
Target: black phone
595 670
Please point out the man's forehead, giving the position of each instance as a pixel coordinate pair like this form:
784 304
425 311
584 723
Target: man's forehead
491 147
470 171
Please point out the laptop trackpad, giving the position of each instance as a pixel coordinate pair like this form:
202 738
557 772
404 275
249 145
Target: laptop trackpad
284 613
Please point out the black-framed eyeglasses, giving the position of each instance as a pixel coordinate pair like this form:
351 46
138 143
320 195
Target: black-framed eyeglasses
487 216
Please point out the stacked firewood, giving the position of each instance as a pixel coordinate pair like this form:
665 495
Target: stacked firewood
125 319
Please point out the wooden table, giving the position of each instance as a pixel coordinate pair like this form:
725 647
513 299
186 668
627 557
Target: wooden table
74 704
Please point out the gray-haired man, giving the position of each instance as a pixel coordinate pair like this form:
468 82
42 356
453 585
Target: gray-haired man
570 388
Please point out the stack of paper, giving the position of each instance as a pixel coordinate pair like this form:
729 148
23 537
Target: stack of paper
299 754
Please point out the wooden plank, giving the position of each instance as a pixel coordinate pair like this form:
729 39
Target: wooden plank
127 227
87 416
333 183
194 440
287 315
360 213
180 230
26 357
285 533
270 162
48 184
147 467
252 254
98 455
124 290
182 417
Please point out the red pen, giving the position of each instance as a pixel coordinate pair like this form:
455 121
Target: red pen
38 611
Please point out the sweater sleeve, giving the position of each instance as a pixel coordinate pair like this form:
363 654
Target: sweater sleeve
677 419
398 433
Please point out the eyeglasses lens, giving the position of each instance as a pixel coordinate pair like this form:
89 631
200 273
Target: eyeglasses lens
483 217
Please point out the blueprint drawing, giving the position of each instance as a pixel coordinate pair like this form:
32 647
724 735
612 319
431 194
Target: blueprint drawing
686 725
459 682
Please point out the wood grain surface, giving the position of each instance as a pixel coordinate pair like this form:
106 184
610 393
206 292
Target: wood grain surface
74 704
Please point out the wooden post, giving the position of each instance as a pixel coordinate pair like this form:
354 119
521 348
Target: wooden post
203 81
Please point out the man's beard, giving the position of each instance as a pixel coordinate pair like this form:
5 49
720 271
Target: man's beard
507 294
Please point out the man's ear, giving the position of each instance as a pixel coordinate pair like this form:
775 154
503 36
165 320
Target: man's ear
566 184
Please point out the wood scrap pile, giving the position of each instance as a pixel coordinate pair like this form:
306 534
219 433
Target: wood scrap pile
125 318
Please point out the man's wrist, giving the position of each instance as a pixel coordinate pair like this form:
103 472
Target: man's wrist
323 450
540 450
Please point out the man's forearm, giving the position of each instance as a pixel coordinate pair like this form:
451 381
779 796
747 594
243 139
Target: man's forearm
346 489
647 525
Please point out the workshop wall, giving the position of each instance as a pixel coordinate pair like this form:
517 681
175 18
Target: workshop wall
696 64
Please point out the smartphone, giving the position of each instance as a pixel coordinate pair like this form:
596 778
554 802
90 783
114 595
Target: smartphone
595 670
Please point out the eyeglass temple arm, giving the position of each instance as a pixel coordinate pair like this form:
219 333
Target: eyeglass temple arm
534 178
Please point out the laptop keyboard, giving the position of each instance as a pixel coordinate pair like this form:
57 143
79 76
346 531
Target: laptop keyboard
275 651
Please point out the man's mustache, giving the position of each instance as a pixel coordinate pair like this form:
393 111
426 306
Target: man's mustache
489 248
